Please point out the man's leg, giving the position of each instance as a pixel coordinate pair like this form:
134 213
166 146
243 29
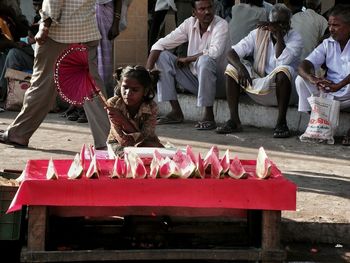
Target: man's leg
166 85
206 74
95 113
304 89
40 97
283 91
104 17
232 95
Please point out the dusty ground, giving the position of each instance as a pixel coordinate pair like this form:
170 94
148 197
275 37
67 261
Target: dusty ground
321 172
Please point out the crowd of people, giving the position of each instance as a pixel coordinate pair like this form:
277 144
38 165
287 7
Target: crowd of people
271 51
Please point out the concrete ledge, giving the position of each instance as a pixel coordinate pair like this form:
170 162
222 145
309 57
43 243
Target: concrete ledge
315 232
251 114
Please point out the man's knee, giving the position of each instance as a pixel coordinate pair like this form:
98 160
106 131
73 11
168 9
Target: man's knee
282 78
299 82
206 62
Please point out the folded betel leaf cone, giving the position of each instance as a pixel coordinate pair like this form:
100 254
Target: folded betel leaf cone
236 169
93 171
263 164
51 173
76 169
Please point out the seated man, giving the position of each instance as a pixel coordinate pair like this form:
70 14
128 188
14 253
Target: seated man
199 72
334 52
309 24
275 49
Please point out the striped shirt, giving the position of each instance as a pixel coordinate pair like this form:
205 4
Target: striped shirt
73 21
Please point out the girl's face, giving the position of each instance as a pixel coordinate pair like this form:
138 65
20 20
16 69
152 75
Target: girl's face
132 92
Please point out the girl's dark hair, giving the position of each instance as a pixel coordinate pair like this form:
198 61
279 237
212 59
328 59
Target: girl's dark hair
147 78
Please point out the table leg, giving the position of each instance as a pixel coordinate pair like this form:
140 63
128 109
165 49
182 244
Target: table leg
271 225
37 219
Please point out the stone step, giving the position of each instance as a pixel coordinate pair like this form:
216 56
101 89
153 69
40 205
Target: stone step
251 114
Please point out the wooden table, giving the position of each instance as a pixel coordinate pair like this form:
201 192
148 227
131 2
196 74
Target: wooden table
209 197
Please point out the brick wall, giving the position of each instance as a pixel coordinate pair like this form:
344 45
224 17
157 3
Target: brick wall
130 47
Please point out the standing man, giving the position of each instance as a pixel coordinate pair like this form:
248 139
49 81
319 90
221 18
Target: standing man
269 80
201 72
63 22
111 18
334 53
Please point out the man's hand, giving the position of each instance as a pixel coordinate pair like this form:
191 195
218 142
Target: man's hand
243 77
273 27
114 30
42 35
327 86
182 62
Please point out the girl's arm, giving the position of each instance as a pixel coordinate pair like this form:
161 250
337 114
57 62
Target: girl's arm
117 118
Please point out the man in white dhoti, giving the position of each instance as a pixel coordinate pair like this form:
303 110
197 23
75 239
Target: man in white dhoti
276 50
334 53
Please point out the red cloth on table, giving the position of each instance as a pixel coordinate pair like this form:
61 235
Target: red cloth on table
274 193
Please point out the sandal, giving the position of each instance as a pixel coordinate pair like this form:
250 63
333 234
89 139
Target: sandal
281 131
168 120
4 139
205 125
346 140
229 127
74 116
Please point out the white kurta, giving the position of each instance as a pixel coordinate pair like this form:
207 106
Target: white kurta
338 65
263 88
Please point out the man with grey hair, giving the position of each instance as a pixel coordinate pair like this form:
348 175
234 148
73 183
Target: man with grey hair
334 52
269 80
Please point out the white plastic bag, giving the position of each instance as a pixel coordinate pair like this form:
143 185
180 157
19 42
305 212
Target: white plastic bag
323 119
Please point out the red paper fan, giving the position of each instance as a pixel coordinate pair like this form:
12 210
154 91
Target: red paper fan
72 77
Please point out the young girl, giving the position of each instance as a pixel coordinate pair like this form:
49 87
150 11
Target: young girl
132 112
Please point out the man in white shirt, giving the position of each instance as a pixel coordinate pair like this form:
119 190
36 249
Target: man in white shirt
201 71
334 52
276 49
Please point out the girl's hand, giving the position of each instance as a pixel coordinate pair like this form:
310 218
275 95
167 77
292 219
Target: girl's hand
115 116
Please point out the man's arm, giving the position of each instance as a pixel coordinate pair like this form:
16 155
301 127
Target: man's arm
243 74
184 61
307 71
114 30
152 59
50 12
